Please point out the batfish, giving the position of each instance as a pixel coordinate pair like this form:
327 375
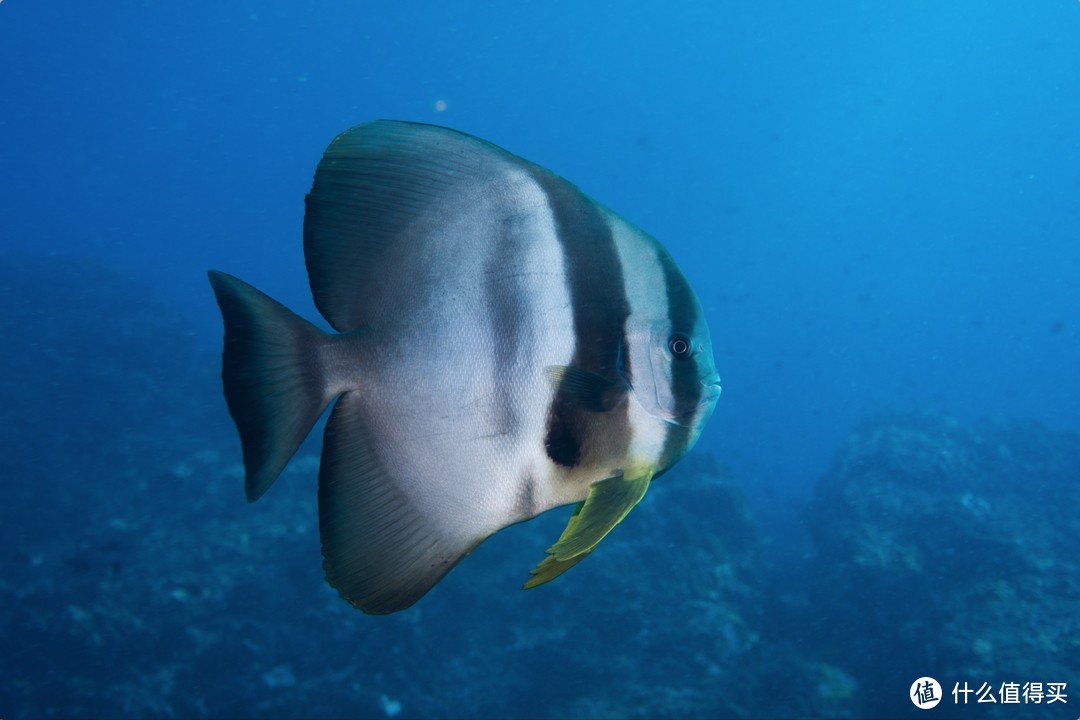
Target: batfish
503 345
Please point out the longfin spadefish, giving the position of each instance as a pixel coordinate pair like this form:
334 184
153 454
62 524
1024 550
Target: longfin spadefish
608 502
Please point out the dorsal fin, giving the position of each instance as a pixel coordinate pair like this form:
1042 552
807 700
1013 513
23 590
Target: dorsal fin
381 191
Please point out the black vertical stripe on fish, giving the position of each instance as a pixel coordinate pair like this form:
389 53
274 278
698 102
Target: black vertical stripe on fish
685 375
599 307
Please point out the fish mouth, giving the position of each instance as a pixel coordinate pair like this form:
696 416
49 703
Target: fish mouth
710 391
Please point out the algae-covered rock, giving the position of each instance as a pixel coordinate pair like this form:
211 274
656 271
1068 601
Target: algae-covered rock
949 550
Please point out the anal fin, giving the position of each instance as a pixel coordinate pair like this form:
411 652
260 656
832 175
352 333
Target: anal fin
608 502
383 549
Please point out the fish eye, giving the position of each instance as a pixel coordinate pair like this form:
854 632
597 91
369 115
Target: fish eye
680 346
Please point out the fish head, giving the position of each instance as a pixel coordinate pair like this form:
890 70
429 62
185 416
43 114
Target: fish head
672 373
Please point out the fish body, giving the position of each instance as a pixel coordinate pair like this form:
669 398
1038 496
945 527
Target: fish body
503 345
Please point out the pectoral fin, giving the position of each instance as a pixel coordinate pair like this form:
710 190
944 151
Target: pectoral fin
583 389
608 502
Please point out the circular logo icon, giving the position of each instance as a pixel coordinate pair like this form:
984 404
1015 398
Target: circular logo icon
925 693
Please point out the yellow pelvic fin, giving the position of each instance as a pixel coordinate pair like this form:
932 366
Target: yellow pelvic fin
608 502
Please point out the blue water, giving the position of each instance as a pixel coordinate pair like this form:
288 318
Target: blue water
878 204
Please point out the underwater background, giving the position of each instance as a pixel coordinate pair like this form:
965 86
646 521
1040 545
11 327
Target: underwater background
878 204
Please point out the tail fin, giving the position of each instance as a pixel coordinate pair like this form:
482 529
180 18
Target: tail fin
273 385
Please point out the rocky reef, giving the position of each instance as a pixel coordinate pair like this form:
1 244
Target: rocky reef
139 583
949 550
